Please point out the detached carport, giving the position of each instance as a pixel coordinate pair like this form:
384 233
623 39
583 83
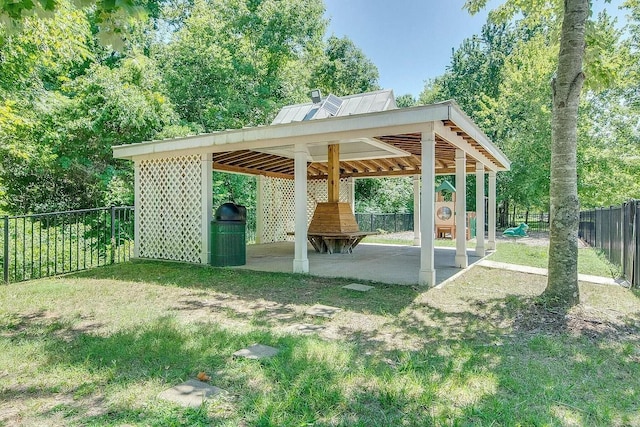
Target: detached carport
365 136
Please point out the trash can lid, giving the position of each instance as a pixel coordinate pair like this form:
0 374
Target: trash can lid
231 212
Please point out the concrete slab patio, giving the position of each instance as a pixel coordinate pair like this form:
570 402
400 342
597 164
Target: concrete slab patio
393 264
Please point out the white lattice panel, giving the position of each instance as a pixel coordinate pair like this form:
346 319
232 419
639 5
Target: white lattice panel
170 205
279 205
278 209
318 192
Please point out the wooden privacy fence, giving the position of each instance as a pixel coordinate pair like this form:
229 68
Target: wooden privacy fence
616 231
48 244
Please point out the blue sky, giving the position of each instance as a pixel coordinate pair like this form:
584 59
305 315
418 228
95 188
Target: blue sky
409 40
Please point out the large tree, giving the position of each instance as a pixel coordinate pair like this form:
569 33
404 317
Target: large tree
562 284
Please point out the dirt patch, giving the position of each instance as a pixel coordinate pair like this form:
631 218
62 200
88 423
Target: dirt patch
534 238
581 320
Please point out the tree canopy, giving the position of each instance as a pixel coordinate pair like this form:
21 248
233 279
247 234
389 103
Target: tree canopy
501 79
68 93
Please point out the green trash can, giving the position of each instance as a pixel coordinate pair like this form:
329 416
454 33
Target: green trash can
228 236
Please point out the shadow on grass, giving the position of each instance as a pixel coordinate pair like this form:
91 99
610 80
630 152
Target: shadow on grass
500 361
310 382
271 290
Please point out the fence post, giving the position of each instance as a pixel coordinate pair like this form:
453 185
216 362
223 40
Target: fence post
625 219
113 234
5 259
610 229
635 281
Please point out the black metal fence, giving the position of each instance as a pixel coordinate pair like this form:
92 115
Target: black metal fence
616 231
535 221
404 222
42 245
391 223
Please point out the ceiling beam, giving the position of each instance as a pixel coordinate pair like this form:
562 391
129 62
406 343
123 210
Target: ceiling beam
236 169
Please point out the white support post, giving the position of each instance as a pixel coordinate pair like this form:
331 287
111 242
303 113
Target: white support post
207 206
461 210
300 261
351 182
491 243
138 206
416 210
427 275
259 209
480 250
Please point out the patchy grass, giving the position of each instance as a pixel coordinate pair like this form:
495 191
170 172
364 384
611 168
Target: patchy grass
95 348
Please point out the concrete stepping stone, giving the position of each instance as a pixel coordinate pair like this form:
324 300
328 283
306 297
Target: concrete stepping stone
256 351
305 328
192 393
320 310
358 287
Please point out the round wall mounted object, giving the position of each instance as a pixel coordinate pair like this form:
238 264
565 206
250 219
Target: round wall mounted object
444 213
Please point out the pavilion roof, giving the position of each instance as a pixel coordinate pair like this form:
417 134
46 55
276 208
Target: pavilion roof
375 138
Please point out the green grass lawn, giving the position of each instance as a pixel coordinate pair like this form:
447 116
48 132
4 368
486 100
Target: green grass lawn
590 261
95 349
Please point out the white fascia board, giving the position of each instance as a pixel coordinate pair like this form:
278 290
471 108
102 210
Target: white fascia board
309 132
457 116
459 142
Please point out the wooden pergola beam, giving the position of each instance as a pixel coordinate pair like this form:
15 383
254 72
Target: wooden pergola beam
248 171
333 172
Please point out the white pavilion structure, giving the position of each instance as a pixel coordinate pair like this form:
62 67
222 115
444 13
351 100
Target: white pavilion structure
311 154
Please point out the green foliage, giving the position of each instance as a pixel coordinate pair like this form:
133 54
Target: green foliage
344 69
66 97
229 187
523 121
474 76
43 52
111 18
407 100
384 195
65 160
234 63
501 79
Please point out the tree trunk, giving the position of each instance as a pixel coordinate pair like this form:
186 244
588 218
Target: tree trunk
562 284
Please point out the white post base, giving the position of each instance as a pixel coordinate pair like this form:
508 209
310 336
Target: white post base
300 265
427 278
462 261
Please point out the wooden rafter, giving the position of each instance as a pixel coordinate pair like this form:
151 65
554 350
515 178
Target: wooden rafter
248 161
